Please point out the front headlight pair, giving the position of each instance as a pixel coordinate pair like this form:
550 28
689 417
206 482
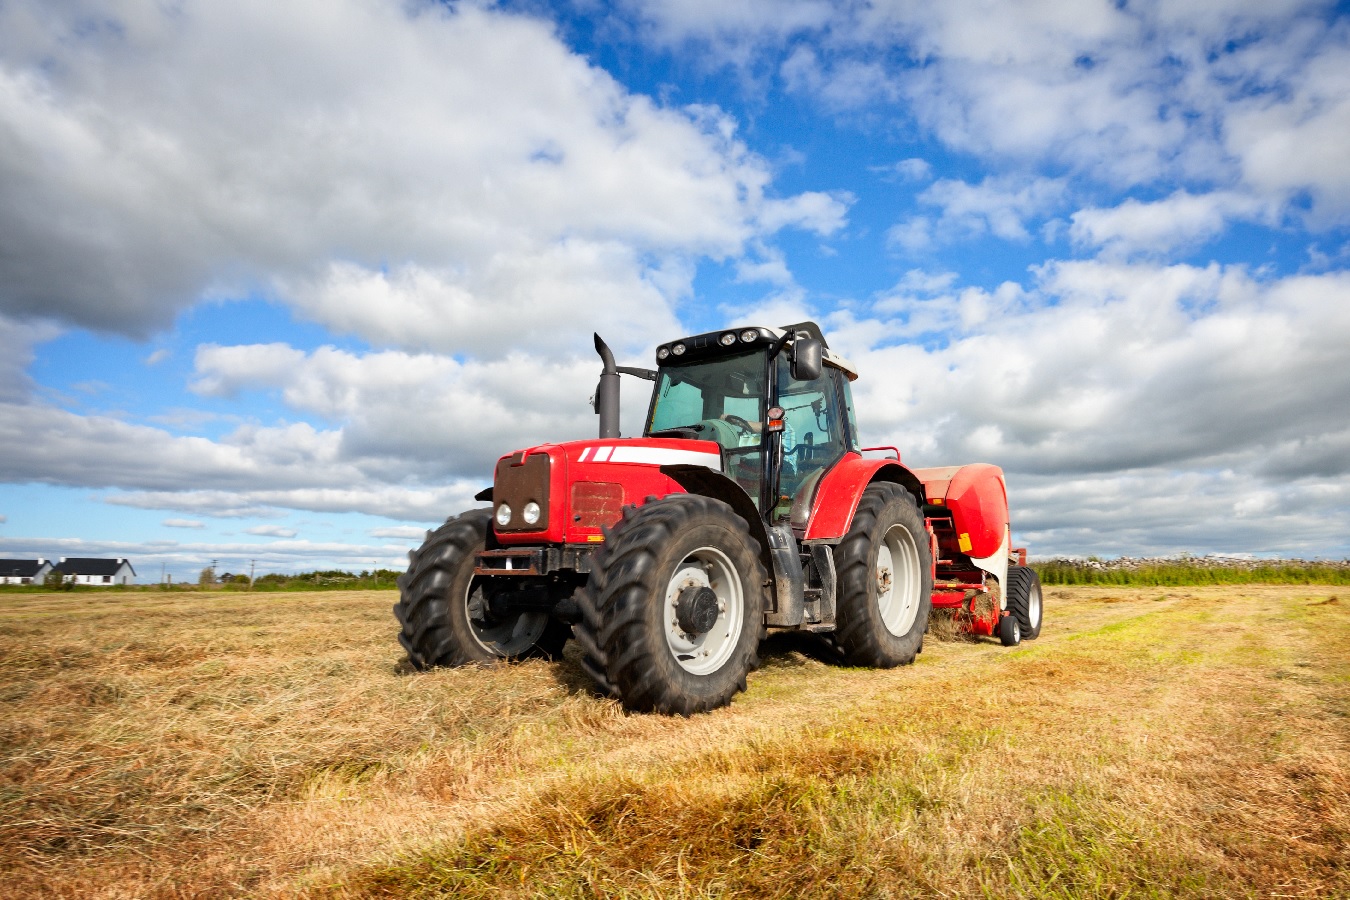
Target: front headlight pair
530 514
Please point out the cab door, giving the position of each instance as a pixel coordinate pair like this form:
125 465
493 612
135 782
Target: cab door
816 432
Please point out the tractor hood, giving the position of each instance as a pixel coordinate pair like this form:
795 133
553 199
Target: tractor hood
573 491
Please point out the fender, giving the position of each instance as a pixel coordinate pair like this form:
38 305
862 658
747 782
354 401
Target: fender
841 488
704 481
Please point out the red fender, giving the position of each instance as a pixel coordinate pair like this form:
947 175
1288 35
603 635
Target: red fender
842 487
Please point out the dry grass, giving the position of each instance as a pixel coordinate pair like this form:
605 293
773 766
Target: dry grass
1194 742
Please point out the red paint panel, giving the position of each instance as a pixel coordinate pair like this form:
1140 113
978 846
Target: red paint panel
630 483
978 500
839 492
948 599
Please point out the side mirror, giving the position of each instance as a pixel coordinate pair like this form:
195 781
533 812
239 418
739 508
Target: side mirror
806 359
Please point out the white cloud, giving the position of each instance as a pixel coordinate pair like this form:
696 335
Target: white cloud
571 289
3 519
814 211
1290 136
403 532
770 267
271 531
394 170
1251 96
16 354
1000 206
1208 383
416 504
466 413
731 26
1180 220
181 523
913 169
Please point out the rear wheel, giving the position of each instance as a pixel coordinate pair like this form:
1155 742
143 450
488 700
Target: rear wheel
1024 600
671 617
885 580
444 616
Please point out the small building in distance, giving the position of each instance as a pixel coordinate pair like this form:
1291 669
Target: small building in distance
86 570
24 571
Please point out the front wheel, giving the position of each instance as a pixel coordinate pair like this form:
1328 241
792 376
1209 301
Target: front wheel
444 617
885 580
671 617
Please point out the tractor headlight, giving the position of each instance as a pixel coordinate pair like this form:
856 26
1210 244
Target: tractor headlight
678 349
728 339
530 513
749 335
503 515
662 353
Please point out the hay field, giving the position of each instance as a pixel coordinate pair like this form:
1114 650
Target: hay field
1153 742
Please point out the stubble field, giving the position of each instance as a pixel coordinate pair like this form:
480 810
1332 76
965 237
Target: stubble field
1152 742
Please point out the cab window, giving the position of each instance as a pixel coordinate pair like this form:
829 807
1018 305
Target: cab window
813 429
721 400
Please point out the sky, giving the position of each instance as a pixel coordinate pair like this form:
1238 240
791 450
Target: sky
279 282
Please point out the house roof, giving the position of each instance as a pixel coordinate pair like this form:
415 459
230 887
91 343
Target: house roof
83 565
20 568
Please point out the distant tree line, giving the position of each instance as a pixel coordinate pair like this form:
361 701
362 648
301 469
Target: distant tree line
1186 570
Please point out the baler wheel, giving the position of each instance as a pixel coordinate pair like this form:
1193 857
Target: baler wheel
671 617
1009 631
442 611
885 580
1024 600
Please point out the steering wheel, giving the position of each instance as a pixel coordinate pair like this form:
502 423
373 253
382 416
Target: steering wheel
740 423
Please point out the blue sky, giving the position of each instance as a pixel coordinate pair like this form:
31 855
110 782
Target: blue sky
280 285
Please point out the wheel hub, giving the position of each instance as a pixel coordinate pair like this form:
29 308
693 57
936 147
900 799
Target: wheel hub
696 610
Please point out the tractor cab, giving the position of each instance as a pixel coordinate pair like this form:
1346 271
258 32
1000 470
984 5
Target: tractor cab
780 417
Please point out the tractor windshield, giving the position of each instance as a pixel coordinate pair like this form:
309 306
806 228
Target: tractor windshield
720 400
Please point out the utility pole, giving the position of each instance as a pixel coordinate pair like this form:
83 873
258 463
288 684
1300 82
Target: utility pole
251 564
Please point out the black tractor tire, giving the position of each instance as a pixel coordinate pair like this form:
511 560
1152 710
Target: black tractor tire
1010 631
886 526
1024 600
438 597
634 643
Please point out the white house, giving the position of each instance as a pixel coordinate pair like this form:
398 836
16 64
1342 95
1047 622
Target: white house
24 571
83 570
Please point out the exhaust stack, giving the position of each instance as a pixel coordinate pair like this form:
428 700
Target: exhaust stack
607 392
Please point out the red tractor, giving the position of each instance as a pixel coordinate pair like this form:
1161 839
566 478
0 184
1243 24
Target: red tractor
747 505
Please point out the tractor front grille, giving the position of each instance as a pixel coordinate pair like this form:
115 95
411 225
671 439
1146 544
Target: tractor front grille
518 482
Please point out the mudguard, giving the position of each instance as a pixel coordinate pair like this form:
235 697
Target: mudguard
840 489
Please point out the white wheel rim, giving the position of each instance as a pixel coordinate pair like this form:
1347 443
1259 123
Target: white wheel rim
898 580
510 637
701 654
1034 607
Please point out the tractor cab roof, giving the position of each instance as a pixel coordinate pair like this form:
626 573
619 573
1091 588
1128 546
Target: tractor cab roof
712 344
